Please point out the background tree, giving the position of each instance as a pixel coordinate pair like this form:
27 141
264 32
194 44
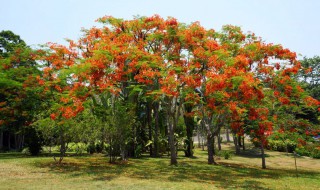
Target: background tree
310 76
18 93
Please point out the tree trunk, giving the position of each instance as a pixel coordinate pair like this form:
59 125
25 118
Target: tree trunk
219 140
239 141
149 126
227 134
22 142
16 142
9 141
156 130
263 157
199 140
243 145
202 143
188 121
1 140
235 141
110 151
210 149
62 147
173 155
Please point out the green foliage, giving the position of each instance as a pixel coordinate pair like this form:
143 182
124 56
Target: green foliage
311 150
18 89
282 146
9 42
226 154
91 148
34 141
311 78
78 148
138 151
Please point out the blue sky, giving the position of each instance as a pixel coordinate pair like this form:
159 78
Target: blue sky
293 23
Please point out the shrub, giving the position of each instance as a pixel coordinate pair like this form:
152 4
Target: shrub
302 151
315 153
25 151
225 153
311 150
99 147
91 148
78 148
282 146
33 141
138 151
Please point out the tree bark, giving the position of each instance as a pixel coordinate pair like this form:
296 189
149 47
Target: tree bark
263 157
188 120
235 141
1 140
9 141
156 130
243 145
16 142
219 140
62 147
210 149
202 143
173 153
199 140
239 141
149 126
172 120
228 134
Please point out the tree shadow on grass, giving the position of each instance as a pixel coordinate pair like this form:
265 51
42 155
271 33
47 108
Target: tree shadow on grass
18 155
224 175
252 153
12 155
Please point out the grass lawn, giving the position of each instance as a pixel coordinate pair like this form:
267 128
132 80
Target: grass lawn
18 171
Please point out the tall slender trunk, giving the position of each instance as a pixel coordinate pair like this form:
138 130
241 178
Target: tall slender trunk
235 141
210 149
199 140
62 147
188 121
156 130
1 140
239 141
16 142
173 153
9 141
228 134
219 140
202 143
172 120
149 126
263 157
243 145
110 150
22 142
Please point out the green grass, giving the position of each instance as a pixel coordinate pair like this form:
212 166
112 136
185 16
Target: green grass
18 171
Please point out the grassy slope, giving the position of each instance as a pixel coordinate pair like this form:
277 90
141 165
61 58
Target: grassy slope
94 172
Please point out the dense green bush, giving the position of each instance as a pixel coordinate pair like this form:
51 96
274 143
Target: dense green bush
226 154
315 153
302 151
282 146
91 148
34 141
99 147
78 148
311 150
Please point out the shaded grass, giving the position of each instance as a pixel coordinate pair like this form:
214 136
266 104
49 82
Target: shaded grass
94 172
